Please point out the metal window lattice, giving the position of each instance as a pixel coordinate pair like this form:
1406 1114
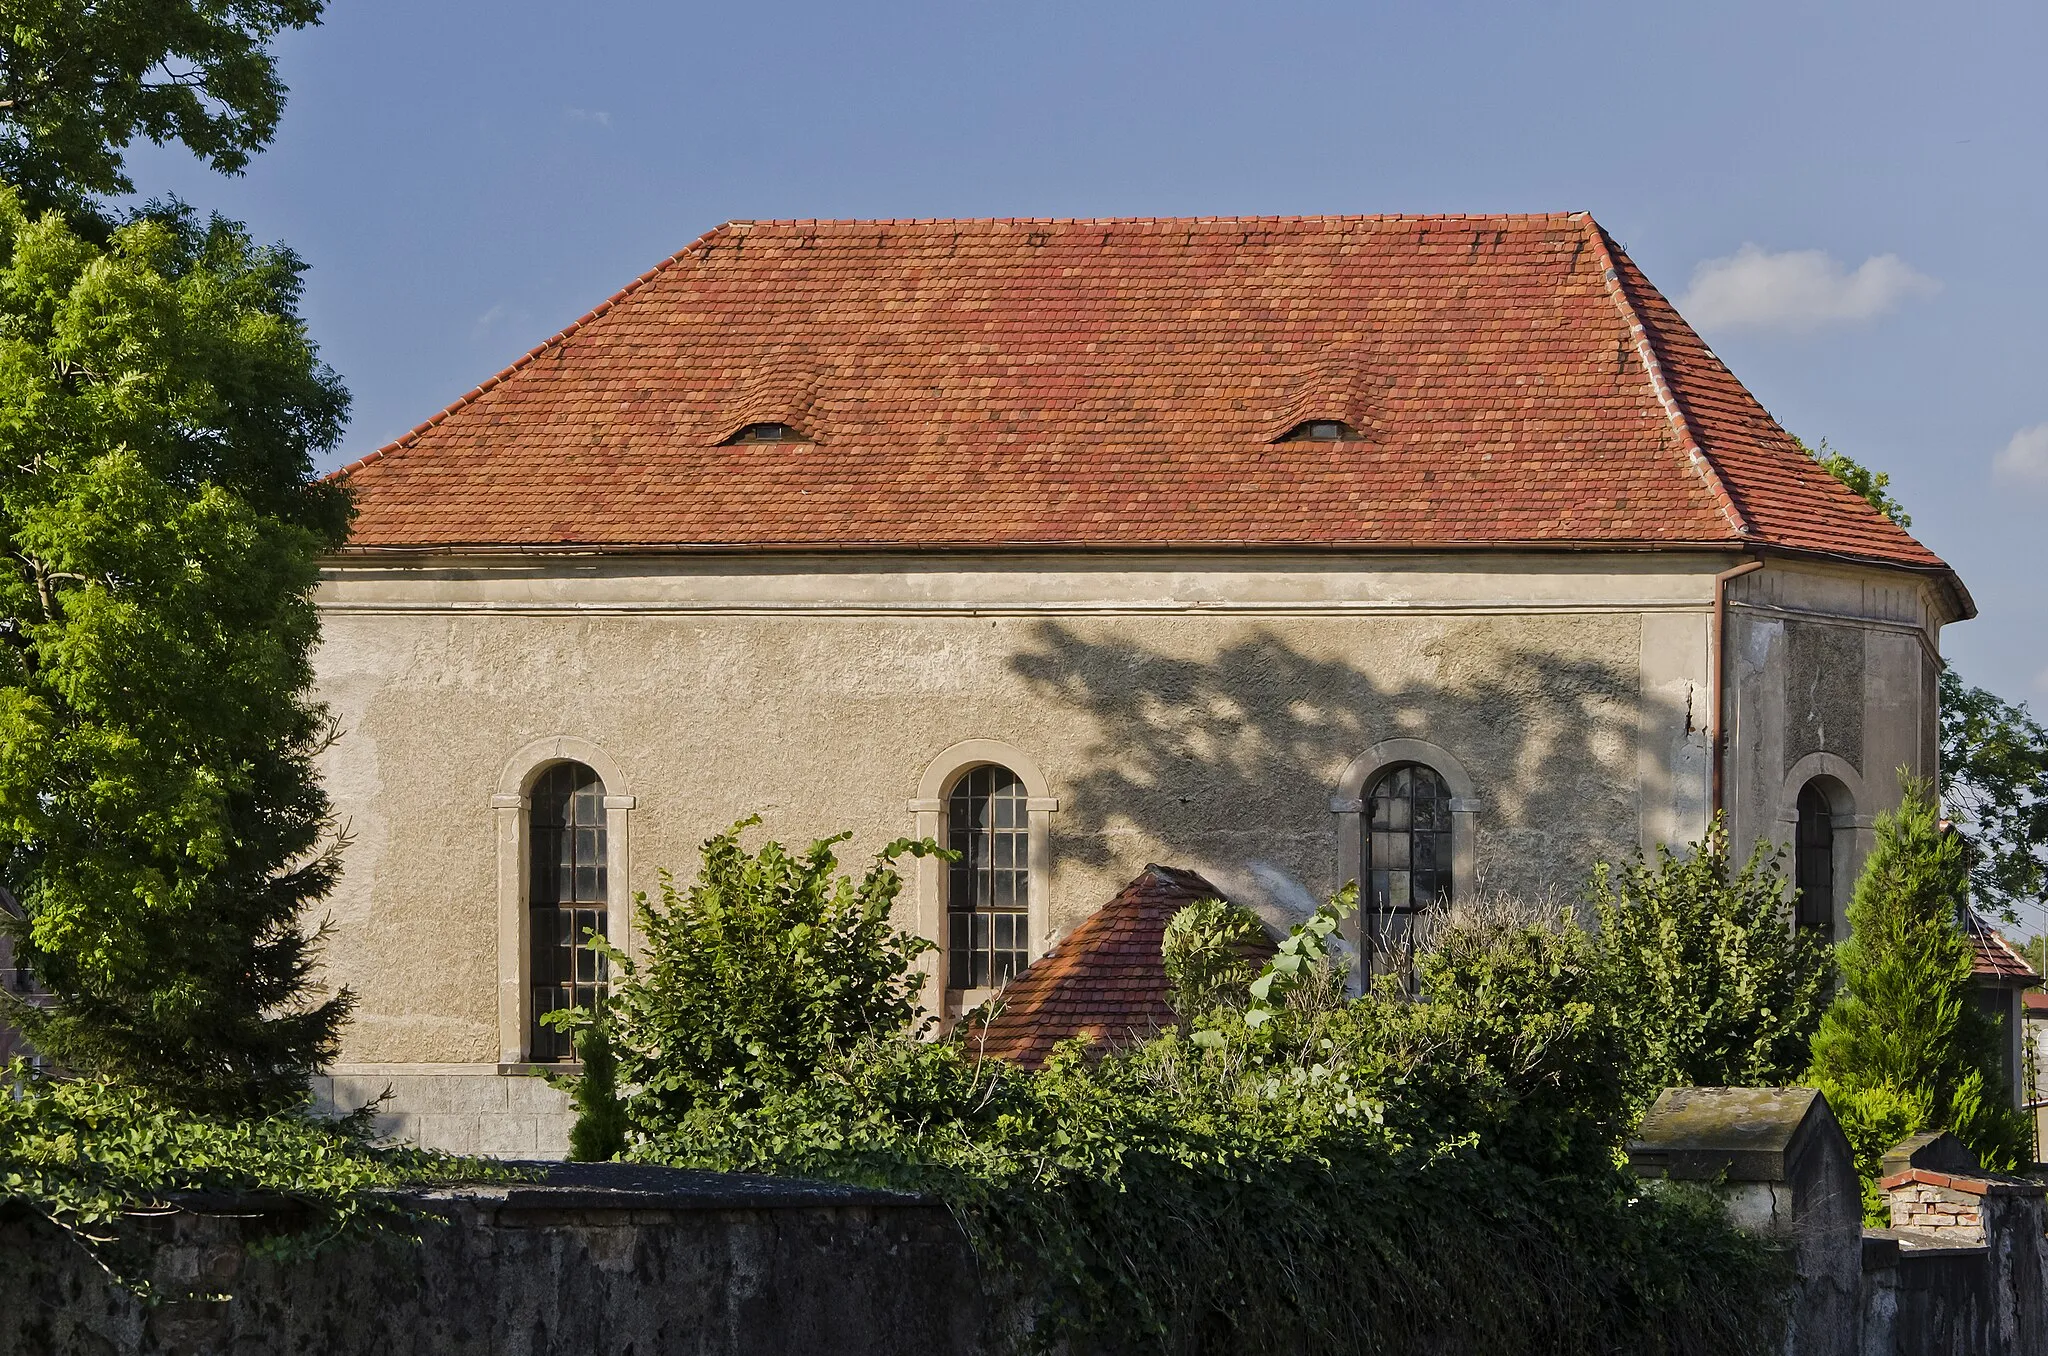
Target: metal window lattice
1407 842
566 899
1814 864
988 889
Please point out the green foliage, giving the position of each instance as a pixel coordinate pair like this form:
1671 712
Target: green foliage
1211 952
79 82
1723 991
1517 1039
1305 1174
1994 780
1872 486
1302 965
1994 754
599 1134
770 966
1905 1047
89 1155
160 822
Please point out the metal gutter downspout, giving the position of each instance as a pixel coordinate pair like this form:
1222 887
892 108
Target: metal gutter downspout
1719 675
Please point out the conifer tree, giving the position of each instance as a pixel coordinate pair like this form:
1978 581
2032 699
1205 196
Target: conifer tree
1905 1047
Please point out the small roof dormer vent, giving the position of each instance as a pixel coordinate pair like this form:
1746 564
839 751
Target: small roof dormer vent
767 432
1320 431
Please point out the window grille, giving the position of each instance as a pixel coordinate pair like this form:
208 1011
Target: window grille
1407 841
988 890
567 899
1814 866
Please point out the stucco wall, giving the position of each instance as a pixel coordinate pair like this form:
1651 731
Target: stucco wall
1172 726
1198 713
1833 673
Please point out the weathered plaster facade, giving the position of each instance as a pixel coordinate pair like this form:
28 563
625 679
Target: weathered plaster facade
1218 712
1833 674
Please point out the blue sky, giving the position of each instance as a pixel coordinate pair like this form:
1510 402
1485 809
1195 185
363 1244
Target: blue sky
1849 199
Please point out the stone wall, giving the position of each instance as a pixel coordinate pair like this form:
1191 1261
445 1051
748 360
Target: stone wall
601 1260
1962 1272
477 1110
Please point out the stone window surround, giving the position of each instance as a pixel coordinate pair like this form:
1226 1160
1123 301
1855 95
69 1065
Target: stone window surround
1348 804
515 941
1852 846
928 809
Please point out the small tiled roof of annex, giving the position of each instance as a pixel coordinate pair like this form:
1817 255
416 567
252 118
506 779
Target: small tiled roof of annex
1104 980
1995 958
1511 380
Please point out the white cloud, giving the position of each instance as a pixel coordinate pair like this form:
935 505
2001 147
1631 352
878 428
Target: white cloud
494 319
2025 457
590 115
1797 290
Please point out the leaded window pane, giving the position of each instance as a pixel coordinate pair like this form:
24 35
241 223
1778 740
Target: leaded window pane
988 890
1407 841
1814 864
566 899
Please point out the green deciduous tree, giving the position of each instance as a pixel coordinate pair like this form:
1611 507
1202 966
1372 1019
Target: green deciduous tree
1994 754
1994 781
160 822
1723 991
80 81
1905 1047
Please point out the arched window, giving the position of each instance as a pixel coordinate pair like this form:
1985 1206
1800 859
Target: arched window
1814 864
988 890
1407 856
567 899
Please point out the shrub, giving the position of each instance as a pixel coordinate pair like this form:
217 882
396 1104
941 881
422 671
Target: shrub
1721 990
1305 1173
1211 951
599 1134
769 966
88 1154
1905 1047
1516 1038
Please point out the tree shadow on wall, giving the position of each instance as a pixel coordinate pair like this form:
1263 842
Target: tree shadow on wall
1228 762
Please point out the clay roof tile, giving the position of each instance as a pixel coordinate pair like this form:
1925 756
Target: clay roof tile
1516 381
1104 980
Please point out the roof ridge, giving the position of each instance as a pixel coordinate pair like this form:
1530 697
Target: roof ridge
1651 357
1223 220
526 359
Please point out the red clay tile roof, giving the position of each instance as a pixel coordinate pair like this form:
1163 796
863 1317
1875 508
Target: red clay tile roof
1105 980
2034 1003
1122 383
1996 958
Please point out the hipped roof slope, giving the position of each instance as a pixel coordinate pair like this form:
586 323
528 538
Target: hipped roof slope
1514 380
1105 980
